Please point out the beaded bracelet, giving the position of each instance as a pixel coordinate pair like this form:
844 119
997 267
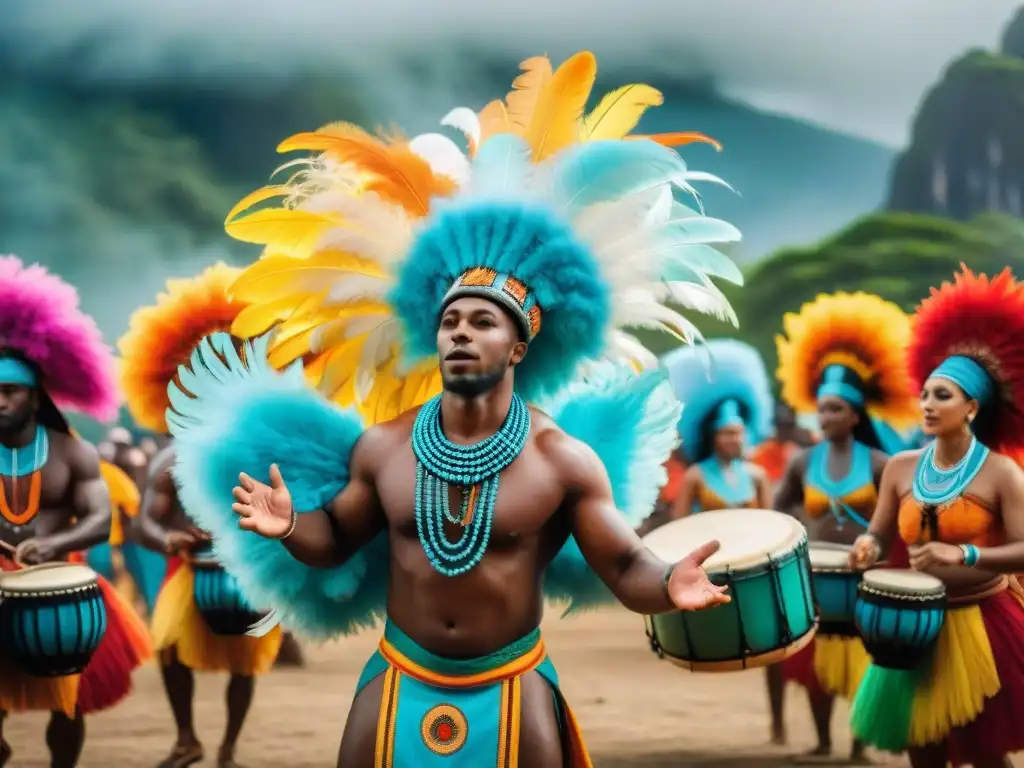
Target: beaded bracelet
971 554
291 528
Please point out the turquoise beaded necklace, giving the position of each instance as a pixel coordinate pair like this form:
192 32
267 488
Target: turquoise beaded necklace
934 485
440 464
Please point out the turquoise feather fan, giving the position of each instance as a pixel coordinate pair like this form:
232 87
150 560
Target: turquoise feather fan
241 416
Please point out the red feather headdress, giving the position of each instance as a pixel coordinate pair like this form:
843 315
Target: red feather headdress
983 319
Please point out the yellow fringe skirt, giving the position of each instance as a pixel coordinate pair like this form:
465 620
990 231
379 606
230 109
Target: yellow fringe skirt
840 664
177 625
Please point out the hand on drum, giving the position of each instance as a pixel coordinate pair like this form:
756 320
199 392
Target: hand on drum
864 553
935 553
264 509
689 587
35 551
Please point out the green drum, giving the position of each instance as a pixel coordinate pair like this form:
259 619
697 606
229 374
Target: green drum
764 561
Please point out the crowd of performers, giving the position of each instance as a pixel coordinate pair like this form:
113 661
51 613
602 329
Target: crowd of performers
422 404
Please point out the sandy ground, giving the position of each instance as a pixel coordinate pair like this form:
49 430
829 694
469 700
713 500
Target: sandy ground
635 710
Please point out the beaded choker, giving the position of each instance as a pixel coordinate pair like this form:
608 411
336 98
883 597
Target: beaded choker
934 485
26 460
474 469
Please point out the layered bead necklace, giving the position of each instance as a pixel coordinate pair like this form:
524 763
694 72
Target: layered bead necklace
25 460
934 485
474 469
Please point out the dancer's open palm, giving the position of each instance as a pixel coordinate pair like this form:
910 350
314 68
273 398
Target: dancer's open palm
689 586
263 509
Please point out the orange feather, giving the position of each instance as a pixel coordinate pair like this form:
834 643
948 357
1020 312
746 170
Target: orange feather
526 89
678 139
494 120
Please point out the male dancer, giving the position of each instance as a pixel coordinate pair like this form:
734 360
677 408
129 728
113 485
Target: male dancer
53 500
454 516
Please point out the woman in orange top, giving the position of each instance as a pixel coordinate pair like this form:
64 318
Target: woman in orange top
959 505
842 358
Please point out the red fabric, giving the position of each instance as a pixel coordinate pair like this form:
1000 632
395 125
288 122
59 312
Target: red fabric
799 669
174 562
899 556
999 729
676 469
125 647
773 457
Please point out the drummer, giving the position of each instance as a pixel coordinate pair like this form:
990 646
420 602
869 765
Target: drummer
727 405
160 338
959 505
53 501
842 357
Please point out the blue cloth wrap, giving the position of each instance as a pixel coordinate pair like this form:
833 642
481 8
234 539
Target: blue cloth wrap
835 382
969 376
14 371
728 415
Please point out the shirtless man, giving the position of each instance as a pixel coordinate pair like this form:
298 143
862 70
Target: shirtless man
555 487
164 527
72 513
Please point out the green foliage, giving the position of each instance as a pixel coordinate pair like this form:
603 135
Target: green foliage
897 256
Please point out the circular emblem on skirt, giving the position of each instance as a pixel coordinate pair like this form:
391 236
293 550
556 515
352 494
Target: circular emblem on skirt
444 729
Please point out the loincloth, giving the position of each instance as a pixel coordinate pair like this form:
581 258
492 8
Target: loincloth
459 713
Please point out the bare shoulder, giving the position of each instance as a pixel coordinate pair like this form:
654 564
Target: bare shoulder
800 460
756 471
879 458
693 474
81 455
379 441
1003 464
575 461
904 460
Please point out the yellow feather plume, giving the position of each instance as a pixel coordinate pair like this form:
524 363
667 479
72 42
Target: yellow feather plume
619 112
292 232
260 195
278 275
522 100
559 109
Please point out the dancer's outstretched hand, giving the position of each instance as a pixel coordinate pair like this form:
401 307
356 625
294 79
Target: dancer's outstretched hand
264 509
689 586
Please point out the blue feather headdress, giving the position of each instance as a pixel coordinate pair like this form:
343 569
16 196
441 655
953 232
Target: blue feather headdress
736 376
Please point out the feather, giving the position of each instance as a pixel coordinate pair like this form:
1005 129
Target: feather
399 175
555 122
677 139
257 319
501 167
279 275
619 111
522 100
260 195
291 232
465 120
372 228
494 120
706 299
443 155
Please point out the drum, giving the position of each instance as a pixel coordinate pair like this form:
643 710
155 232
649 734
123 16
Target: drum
52 618
764 561
219 599
835 588
899 615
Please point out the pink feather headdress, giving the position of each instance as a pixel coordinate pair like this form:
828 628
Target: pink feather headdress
40 317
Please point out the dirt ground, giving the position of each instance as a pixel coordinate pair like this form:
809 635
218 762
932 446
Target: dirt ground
635 710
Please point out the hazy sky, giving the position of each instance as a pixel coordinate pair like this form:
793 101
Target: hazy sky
857 65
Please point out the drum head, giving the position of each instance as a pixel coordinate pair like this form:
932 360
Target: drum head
47 579
748 536
833 557
903 582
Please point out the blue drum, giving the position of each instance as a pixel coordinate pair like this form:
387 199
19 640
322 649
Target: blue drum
219 600
52 618
835 588
899 615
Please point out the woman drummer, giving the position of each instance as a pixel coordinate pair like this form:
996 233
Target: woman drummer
842 357
959 505
726 405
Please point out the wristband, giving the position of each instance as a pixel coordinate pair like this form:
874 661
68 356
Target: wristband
971 554
664 584
291 528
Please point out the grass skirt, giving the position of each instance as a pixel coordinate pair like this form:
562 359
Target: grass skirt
970 693
177 624
830 664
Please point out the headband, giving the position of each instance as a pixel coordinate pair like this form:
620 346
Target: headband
969 376
14 371
727 415
503 289
840 381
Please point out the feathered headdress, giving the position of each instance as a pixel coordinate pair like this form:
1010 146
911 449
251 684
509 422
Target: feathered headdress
41 322
982 320
162 336
852 345
734 388
562 218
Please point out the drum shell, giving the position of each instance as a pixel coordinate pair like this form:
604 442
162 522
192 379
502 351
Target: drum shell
220 601
898 630
771 615
55 633
836 593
